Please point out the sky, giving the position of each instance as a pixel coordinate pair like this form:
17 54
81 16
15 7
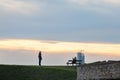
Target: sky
59 29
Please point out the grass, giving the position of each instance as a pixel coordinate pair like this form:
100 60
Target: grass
14 72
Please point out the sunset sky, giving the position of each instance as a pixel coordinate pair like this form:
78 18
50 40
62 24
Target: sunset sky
60 29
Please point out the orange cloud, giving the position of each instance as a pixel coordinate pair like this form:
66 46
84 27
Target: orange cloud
59 46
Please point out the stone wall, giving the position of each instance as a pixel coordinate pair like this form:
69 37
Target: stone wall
99 71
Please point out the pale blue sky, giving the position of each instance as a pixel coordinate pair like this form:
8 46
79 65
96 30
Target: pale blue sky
61 20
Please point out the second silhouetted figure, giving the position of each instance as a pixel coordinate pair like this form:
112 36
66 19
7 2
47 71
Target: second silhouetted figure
40 58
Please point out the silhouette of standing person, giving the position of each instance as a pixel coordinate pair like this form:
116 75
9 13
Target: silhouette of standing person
40 58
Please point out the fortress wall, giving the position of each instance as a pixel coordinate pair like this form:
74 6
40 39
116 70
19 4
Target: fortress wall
99 71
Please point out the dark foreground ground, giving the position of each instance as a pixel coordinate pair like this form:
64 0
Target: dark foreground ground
14 72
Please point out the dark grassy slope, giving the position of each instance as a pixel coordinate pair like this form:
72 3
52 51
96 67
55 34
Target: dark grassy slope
37 73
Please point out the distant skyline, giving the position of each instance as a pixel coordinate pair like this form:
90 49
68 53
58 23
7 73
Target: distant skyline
63 27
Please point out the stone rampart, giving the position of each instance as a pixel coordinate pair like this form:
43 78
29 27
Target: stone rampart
99 71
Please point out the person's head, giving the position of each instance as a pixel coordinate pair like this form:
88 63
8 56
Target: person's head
39 52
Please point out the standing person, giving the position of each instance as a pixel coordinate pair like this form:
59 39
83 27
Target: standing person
40 58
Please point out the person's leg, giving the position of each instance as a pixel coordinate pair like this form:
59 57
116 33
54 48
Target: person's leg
39 62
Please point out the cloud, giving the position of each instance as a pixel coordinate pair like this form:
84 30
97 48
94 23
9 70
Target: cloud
103 6
113 2
59 46
97 2
18 6
29 6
